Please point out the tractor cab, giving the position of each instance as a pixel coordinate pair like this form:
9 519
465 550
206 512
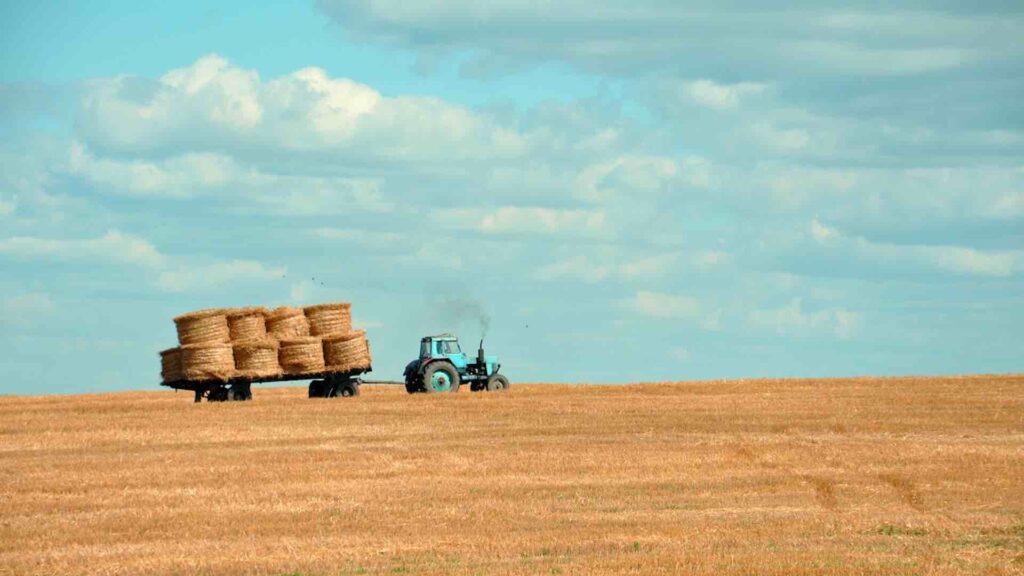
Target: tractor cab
443 367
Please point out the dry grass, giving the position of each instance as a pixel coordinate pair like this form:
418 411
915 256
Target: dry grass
864 476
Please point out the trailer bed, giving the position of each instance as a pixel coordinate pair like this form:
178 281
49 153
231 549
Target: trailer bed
212 388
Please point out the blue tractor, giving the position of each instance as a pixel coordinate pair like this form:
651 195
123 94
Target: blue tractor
442 367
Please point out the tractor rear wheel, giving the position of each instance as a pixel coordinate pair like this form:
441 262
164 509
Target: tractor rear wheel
497 382
412 386
440 377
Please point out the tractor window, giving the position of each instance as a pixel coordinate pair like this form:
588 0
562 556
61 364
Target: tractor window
453 348
440 347
424 349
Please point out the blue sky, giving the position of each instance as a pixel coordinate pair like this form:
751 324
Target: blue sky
628 192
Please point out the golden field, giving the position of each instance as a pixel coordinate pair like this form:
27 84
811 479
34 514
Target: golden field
855 476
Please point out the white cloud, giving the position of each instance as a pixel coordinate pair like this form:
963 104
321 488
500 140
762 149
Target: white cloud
792 319
667 306
363 237
600 35
24 309
205 276
524 221
181 176
945 258
645 267
680 353
114 246
720 96
172 274
577 267
636 175
7 207
629 265
214 105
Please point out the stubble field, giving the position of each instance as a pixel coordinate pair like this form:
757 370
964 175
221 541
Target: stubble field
858 476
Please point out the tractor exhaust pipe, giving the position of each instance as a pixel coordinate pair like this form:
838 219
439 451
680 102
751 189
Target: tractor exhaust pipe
480 353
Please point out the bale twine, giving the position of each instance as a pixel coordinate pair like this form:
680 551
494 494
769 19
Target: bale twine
286 322
170 365
331 318
247 323
203 327
347 352
301 355
256 358
207 361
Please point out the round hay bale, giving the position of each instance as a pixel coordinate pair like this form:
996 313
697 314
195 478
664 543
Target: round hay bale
331 318
203 327
287 322
247 323
301 355
207 361
256 358
347 352
170 365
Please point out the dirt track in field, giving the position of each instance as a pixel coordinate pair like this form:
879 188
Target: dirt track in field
862 476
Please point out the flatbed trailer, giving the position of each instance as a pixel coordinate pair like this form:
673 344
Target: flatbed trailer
327 384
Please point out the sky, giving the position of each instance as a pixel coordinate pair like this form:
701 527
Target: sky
608 191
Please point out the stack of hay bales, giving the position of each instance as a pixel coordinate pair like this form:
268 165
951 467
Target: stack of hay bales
347 352
205 351
287 322
255 343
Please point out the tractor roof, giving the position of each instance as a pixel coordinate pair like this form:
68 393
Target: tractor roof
445 336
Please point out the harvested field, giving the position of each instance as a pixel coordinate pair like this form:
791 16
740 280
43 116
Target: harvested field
861 476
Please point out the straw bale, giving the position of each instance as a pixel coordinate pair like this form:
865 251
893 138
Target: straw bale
287 322
170 365
203 327
247 323
256 358
330 318
301 355
207 361
347 352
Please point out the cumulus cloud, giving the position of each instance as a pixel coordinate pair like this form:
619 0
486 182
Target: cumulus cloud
173 274
214 106
114 246
711 94
7 207
940 258
610 37
793 319
204 276
524 221
665 306
26 308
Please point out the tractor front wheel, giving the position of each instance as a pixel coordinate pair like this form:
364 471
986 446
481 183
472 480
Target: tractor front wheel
440 377
497 382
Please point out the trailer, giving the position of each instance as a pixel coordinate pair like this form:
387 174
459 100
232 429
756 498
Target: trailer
329 384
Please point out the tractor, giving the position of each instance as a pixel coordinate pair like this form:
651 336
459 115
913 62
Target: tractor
442 367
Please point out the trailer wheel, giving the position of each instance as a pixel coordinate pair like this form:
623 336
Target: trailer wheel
345 389
497 382
218 394
316 389
440 377
240 392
